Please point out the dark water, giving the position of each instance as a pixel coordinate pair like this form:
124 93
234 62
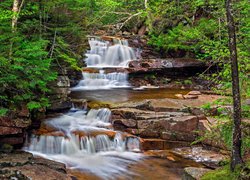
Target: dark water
124 95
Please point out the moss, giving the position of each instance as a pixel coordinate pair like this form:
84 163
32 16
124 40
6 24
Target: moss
224 173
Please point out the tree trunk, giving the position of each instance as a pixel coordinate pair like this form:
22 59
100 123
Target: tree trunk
236 158
15 10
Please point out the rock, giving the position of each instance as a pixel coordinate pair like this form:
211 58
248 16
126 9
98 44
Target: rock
149 133
9 130
6 148
142 30
12 140
152 144
194 93
247 102
22 165
80 103
125 122
17 123
24 112
209 158
179 96
203 127
185 124
171 67
190 96
177 136
63 81
197 111
194 173
148 124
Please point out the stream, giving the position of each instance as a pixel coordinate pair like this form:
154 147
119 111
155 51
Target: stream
85 140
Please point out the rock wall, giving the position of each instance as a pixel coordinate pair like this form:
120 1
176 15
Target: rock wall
13 128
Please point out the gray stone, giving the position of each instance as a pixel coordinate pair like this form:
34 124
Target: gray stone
194 173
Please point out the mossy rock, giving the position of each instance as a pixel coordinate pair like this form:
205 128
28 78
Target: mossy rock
98 105
6 148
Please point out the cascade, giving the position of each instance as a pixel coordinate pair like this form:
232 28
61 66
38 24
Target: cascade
105 54
95 81
86 142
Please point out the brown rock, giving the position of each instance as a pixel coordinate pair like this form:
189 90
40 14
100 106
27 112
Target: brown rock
179 96
9 130
194 93
142 31
144 124
152 144
126 122
24 112
176 136
132 131
12 140
149 133
20 123
184 124
190 96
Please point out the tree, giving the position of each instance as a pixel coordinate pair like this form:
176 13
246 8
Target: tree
236 158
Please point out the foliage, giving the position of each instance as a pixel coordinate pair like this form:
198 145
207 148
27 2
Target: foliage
224 173
198 27
47 34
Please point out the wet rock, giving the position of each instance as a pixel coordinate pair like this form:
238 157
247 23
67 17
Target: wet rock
190 96
80 103
194 173
153 144
194 93
207 157
179 96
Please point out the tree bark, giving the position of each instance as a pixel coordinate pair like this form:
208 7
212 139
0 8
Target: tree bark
15 10
236 158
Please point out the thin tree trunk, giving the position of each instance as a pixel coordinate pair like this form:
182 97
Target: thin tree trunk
15 10
236 158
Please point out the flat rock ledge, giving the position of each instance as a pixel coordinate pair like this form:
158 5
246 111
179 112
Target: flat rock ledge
23 165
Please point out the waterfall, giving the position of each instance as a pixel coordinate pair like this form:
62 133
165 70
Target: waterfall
103 54
86 142
97 81
106 54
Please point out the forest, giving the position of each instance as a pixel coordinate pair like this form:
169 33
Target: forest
158 72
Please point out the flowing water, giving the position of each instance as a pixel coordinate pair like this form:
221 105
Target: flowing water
86 142
106 54
109 54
